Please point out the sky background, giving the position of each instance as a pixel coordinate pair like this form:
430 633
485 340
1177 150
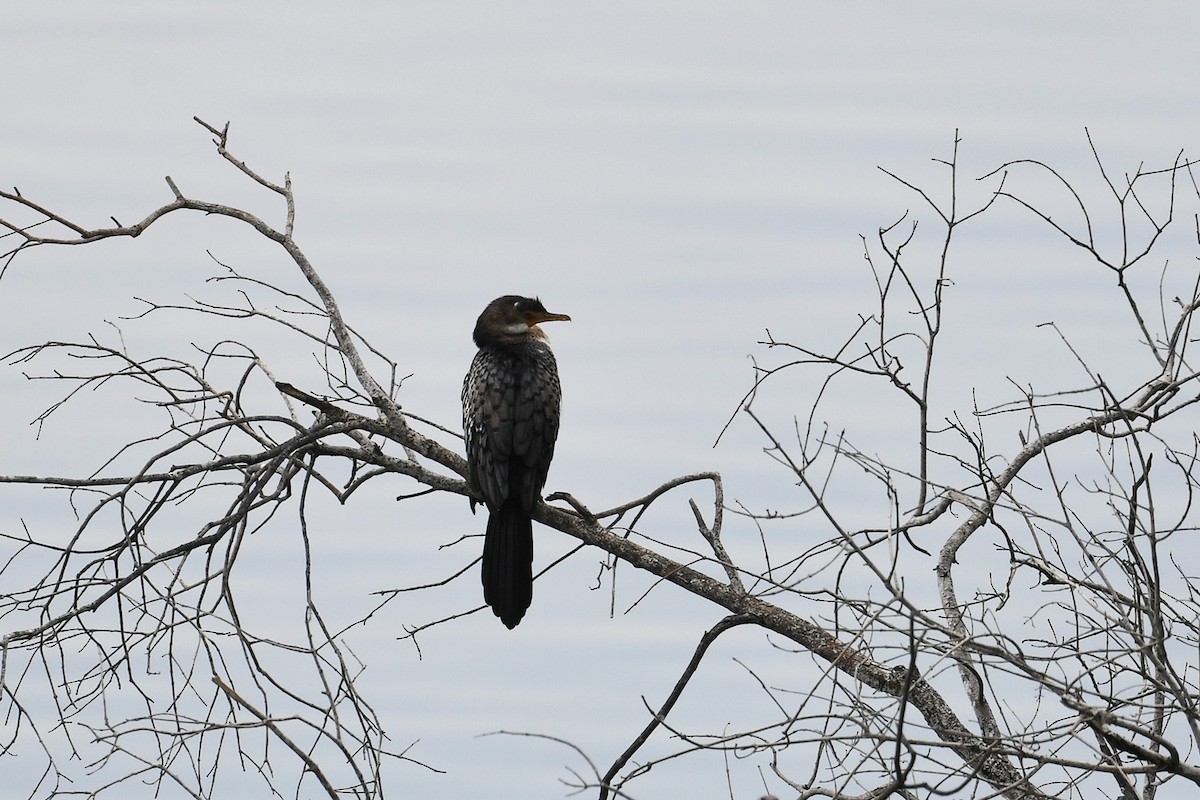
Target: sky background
678 177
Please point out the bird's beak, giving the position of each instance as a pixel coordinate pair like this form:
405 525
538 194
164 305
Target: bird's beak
535 317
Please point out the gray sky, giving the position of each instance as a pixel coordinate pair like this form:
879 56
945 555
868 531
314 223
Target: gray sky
677 177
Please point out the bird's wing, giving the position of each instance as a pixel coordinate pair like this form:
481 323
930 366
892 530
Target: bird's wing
535 426
488 397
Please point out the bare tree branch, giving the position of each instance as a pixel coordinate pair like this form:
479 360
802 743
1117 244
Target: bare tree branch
1004 607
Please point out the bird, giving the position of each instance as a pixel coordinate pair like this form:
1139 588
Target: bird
510 398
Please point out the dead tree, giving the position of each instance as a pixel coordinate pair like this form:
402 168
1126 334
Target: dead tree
1019 620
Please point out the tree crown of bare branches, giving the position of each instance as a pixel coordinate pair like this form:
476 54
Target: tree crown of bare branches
1076 673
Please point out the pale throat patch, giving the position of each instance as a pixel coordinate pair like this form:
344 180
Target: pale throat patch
523 330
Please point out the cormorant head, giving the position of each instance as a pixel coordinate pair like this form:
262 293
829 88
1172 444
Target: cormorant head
512 319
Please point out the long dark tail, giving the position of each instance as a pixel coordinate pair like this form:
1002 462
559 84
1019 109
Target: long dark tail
508 562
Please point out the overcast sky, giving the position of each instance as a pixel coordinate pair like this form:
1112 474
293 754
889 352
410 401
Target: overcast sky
678 177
